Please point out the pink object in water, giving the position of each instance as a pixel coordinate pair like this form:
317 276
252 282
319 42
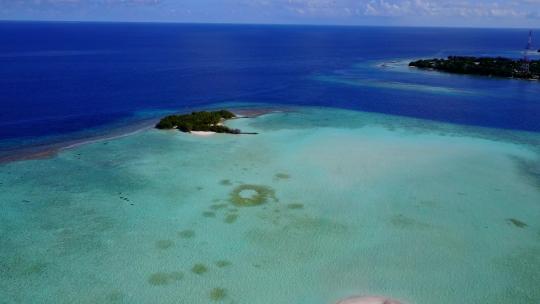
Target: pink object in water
368 300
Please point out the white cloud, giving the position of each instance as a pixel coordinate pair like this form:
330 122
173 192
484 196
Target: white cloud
395 8
493 12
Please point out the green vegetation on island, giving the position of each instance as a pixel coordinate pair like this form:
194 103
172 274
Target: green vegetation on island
484 66
199 121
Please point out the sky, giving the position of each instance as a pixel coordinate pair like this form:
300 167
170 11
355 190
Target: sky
459 13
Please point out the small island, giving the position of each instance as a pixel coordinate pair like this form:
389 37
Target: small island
483 66
199 122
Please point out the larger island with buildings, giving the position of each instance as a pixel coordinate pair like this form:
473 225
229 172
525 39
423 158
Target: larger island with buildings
483 66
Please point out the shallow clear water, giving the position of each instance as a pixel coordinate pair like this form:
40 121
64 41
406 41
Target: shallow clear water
353 204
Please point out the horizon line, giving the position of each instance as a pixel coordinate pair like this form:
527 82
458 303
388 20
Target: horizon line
269 24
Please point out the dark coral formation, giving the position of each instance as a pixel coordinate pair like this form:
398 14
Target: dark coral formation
218 294
282 176
199 269
295 206
517 223
164 278
186 234
223 263
261 195
164 244
225 182
209 214
218 206
231 218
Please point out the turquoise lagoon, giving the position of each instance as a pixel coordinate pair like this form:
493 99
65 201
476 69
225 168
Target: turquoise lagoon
352 204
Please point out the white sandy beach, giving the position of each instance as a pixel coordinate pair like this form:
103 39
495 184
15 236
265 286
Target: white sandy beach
202 133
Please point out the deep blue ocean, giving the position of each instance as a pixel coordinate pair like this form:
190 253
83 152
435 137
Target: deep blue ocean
58 79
